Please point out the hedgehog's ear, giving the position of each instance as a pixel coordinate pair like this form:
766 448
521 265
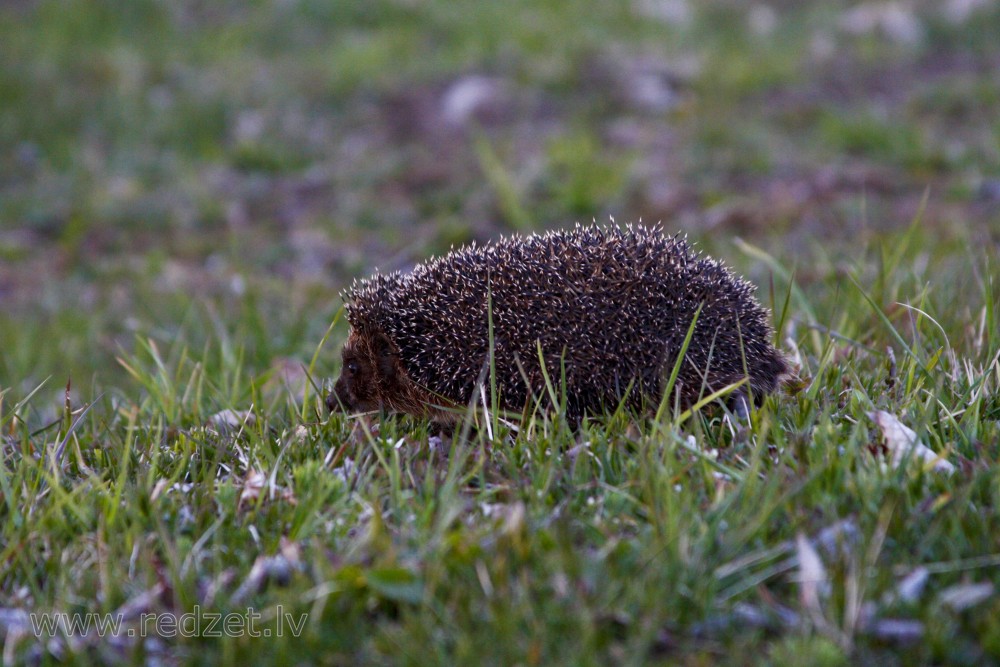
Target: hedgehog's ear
385 356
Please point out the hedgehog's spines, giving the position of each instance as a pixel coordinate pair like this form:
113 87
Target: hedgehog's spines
618 300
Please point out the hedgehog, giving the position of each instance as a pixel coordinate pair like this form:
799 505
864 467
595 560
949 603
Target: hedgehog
600 313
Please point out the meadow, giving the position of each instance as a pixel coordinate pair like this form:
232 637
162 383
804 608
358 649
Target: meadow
186 187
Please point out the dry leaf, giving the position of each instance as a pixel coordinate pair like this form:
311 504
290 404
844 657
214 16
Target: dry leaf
231 418
812 575
13 620
277 569
898 630
895 20
256 483
901 442
963 596
911 587
253 484
142 603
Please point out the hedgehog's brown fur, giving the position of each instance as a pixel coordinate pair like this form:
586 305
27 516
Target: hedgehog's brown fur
609 308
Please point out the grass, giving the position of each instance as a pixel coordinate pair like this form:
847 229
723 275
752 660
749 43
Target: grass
212 490
178 213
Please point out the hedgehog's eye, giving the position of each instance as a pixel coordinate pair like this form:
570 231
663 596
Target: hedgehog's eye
351 367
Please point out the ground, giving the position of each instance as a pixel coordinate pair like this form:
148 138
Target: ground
185 188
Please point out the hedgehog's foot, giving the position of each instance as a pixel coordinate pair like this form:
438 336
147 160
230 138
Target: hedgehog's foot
739 404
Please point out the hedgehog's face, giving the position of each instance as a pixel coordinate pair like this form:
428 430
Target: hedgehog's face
368 374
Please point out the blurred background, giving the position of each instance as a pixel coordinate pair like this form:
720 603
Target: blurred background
215 172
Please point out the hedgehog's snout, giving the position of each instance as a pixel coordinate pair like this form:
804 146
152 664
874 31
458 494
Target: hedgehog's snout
340 399
357 388
333 402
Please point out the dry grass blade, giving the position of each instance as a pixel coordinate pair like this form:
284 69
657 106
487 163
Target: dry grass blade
61 447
